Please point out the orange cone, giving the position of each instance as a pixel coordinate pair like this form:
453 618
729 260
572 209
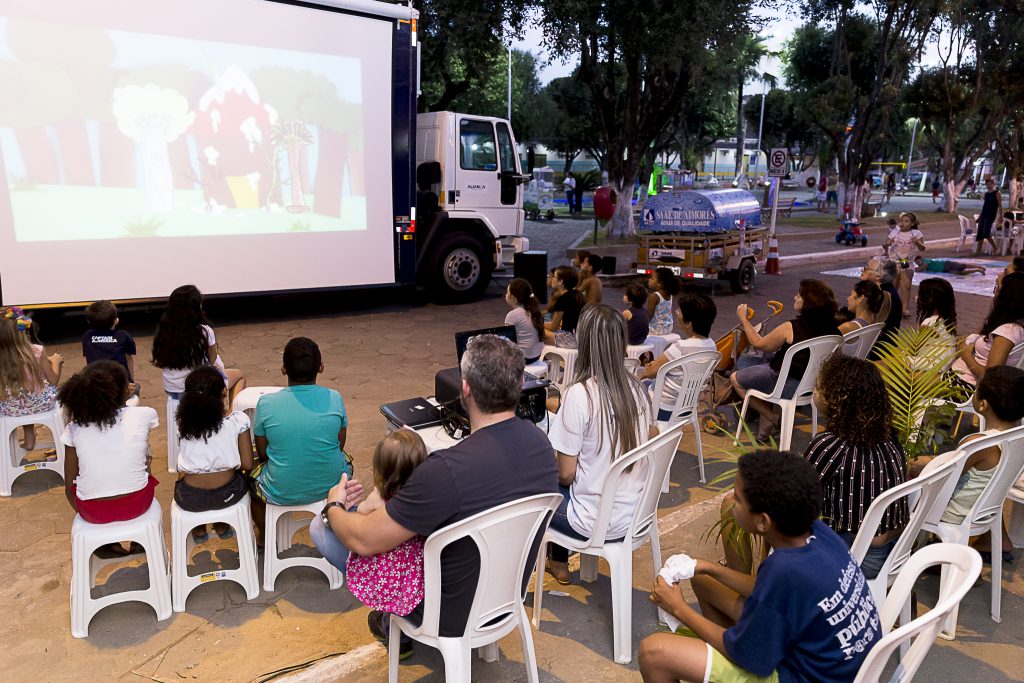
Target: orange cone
771 267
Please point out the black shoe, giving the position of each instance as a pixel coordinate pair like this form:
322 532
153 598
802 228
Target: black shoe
375 620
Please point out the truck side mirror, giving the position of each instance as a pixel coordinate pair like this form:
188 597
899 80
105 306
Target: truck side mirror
531 159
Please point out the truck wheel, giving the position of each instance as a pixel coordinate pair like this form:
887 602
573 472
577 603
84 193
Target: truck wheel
742 279
461 271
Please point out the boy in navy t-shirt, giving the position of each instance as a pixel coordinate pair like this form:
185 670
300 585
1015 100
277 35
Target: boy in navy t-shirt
103 342
808 616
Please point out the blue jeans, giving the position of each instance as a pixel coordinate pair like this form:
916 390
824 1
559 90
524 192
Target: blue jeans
329 545
874 558
560 523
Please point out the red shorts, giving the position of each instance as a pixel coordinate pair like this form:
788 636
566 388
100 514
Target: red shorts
118 509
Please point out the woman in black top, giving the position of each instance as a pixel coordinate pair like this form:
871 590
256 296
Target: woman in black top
565 312
991 209
857 456
815 304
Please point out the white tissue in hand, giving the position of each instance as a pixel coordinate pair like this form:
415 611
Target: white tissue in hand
677 568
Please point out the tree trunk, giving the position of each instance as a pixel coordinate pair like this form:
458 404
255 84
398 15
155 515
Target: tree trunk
1015 187
852 194
117 157
952 197
38 155
75 153
621 224
298 201
332 153
156 165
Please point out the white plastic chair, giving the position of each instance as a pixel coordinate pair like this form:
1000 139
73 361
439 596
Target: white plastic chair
967 407
10 460
923 492
965 232
660 342
643 526
147 531
857 343
246 399
239 516
819 348
986 515
504 536
696 369
279 529
962 566
561 363
1015 528
172 434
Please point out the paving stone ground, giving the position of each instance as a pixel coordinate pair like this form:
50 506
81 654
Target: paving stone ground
378 346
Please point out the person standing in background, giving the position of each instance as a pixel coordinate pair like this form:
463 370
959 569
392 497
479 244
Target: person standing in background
569 185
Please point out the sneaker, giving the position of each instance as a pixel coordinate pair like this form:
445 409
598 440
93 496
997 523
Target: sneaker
376 620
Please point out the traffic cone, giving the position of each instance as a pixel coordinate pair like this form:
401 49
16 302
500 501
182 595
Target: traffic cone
771 267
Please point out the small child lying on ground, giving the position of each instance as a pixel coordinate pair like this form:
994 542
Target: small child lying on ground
945 265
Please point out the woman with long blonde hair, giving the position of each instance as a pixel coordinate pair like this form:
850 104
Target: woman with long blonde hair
604 414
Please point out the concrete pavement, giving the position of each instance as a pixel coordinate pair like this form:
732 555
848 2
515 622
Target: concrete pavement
379 347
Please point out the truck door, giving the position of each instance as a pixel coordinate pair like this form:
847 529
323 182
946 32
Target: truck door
511 200
479 179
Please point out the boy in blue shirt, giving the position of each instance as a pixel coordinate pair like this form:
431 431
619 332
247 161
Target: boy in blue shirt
103 342
808 616
300 435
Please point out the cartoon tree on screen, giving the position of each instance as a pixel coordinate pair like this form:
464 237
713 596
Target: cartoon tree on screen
153 117
292 136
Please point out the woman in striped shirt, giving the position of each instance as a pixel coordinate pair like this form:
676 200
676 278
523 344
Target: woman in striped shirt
857 456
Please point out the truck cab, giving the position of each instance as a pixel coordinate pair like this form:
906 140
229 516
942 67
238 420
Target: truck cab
469 216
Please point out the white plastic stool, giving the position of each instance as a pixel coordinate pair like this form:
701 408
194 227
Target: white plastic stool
660 342
538 369
239 517
561 363
637 350
280 527
172 434
247 398
10 464
147 531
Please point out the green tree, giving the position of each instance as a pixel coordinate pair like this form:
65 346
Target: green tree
640 61
459 40
571 127
747 54
849 76
1002 52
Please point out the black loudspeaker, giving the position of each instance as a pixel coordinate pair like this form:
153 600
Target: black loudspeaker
532 266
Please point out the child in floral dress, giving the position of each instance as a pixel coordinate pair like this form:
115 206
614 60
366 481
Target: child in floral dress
391 581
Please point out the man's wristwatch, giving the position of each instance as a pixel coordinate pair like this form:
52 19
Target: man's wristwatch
327 508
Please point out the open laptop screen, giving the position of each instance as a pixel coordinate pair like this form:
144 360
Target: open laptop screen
462 338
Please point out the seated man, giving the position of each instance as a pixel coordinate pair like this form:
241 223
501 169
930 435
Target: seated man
809 614
505 458
300 435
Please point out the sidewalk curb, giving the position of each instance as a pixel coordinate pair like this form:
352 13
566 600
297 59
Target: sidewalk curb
855 253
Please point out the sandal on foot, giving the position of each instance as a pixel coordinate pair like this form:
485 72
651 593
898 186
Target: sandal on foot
200 534
225 535
110 551
559 574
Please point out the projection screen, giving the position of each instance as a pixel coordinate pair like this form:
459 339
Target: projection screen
241 145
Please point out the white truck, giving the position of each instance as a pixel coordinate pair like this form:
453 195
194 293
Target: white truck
245 146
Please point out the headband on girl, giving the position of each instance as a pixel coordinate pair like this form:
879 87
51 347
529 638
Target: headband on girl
18 317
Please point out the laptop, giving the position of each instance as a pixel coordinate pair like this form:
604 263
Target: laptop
414 413
530 381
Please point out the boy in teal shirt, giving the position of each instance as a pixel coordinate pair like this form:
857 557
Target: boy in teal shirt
300 435
945 265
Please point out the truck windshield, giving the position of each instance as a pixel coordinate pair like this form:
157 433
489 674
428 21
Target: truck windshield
477 152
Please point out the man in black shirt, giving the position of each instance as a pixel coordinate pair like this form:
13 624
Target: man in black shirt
505 458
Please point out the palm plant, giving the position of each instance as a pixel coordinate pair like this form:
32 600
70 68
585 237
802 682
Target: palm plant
914 364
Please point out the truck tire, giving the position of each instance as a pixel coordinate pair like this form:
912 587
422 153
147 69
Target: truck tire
742 279
461 271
